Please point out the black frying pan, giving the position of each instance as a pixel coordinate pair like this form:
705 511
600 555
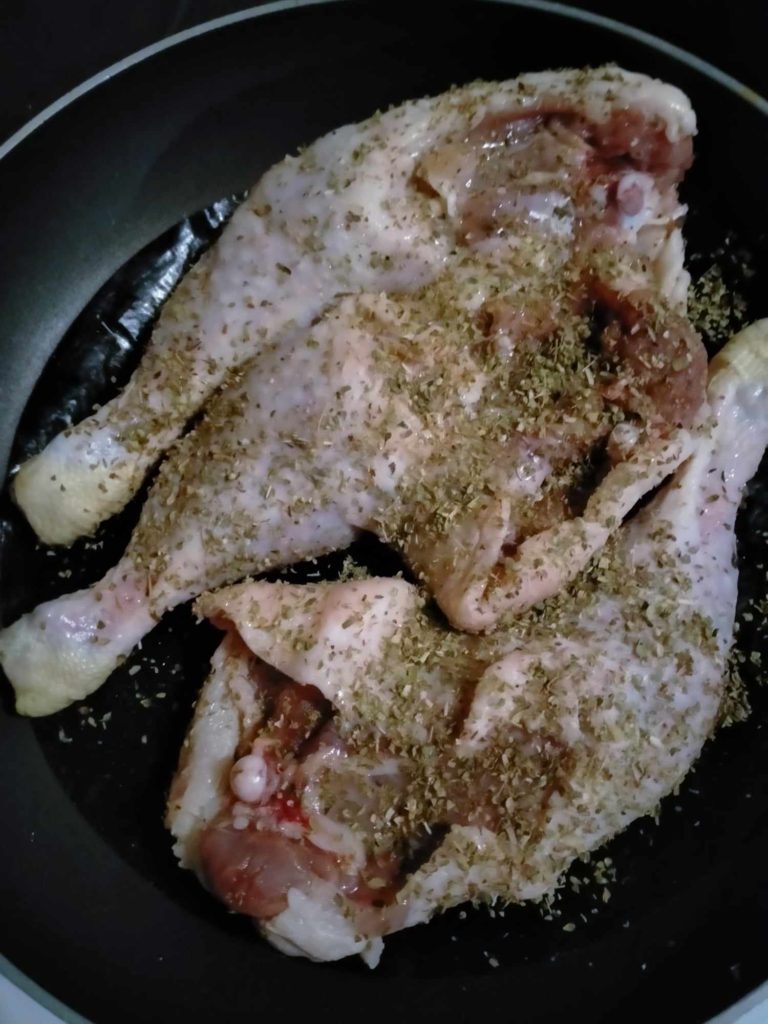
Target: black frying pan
92 905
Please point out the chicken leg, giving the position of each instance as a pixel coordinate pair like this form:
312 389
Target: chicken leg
368 207
441 418
627 681
382 420
378 729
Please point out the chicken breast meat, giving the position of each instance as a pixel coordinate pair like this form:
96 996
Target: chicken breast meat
503 368
354 766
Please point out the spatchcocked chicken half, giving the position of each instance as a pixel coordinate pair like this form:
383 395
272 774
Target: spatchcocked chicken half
460 324
354 766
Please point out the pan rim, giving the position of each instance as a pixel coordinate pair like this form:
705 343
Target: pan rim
759 995
734 85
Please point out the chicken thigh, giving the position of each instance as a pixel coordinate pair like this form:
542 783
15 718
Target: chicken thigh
379 205
355 767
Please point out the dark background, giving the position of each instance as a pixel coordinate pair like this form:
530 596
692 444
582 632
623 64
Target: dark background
49 46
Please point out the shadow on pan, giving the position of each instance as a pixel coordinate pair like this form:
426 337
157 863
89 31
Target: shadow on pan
94 908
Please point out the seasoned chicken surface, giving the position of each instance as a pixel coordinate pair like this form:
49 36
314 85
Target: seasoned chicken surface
354 766
380 206
494 416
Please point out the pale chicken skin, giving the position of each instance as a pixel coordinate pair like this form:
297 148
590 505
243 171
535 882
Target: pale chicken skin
348 435
495 423
357 211
355 767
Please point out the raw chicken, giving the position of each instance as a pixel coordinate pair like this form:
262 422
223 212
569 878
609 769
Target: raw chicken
502 418
245 800
390 417
354 767
364 208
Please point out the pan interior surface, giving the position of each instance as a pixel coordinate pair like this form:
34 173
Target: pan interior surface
95 908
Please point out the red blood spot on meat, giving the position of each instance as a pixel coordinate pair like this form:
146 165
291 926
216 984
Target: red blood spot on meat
286 807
